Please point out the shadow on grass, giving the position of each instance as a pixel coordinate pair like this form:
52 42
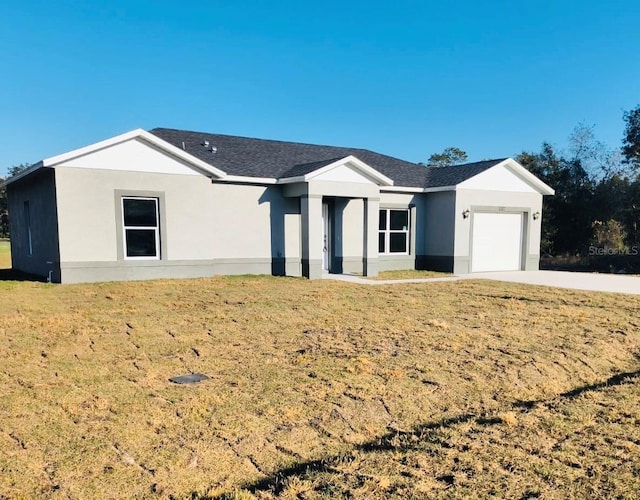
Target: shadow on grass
614 380
15 275
401 440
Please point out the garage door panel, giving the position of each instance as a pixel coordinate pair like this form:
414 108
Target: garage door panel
496 242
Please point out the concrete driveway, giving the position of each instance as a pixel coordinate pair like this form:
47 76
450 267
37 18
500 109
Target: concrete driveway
595 282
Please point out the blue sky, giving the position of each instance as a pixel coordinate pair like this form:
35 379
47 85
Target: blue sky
405 78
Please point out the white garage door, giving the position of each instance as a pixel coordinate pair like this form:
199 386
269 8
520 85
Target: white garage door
496 242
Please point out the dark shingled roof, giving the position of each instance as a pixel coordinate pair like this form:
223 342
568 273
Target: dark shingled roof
307 168
248 157
450 176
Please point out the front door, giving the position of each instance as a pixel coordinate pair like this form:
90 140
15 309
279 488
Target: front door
326 238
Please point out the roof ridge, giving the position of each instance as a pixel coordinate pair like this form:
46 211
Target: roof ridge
258 139
269 158
276 141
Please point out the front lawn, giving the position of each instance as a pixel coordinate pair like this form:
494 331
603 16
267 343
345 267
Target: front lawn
317 389
409 274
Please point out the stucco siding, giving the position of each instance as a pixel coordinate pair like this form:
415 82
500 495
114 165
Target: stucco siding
246 217
206 228
41 255
89 225
398 199
353 230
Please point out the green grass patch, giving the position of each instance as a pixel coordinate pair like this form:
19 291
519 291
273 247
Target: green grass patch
317 389
5 254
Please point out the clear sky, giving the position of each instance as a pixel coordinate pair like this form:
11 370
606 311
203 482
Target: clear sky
405 78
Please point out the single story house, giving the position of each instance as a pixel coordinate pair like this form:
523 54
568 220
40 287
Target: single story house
173 204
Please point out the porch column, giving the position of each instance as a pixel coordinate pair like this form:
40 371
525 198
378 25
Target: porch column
412 238
311 215
370 246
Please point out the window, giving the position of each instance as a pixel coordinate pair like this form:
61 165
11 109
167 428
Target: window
27 223
141 228
393 236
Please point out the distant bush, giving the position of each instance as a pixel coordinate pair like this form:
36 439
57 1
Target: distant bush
609 235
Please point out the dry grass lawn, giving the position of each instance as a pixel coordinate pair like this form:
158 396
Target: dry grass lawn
409 274
318 389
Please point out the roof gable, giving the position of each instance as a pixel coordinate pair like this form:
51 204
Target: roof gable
132 155
347 169
136 150
508 175
497 178
135 143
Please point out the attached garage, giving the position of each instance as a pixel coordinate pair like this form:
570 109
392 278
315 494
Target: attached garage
498 216
497 241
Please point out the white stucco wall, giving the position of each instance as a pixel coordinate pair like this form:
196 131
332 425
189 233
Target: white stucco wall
353 229
245 217
87 213
203 220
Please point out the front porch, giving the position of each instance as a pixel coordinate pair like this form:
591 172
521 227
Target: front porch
339 235
339 216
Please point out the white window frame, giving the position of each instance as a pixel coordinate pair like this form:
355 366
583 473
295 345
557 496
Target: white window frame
156 228
388 231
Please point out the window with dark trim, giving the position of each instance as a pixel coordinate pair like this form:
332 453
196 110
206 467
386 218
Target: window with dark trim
393 231
140 227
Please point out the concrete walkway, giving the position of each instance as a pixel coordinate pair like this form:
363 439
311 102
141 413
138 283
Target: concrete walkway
596 282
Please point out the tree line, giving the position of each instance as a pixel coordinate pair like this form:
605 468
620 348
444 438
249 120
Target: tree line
4 206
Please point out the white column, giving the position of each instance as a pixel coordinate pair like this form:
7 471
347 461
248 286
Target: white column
370 243
312 244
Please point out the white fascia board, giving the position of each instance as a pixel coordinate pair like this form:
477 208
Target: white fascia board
291 180
136 134
354 162
248 180
404 189
526 176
